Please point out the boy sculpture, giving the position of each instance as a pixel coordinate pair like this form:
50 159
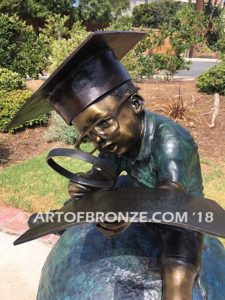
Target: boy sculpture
92 91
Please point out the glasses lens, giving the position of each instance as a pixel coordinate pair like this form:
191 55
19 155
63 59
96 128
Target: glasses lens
106 127
86 145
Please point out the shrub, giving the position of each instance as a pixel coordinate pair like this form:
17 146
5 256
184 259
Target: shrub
10 103
10 80
181 112
21 50
60 131
60 49
160 63
122 23
213 80
130 61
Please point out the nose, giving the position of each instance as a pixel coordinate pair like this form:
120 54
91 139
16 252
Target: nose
96 138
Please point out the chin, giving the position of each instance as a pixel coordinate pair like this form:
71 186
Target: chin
121 150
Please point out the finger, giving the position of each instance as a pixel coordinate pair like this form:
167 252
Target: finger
81 174
77 187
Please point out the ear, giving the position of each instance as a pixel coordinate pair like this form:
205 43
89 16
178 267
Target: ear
137 103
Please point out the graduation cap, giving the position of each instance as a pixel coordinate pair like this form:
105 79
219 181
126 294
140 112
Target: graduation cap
91 71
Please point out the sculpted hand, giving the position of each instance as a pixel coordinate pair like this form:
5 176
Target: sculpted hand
172 185
77 191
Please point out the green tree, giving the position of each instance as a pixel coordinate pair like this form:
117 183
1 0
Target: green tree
96 14
130 61
55 28
21 50
35 12
155 14
215 27
118 7
187 29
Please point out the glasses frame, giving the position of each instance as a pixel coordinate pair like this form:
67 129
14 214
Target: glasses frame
111 115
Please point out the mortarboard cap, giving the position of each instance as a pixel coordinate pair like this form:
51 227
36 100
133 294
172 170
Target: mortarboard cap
92 70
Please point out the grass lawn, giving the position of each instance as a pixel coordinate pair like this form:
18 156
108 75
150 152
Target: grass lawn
34 186
214 179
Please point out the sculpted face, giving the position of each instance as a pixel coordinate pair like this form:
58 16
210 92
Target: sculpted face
111 124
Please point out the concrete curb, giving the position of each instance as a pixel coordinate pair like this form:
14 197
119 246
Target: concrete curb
209 60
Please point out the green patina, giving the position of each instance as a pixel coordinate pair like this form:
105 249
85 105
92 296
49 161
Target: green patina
167 154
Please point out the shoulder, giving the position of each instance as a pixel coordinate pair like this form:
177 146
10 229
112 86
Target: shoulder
164 124
170 137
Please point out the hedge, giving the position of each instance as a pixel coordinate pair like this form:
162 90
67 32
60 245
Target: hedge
60 131
10 80
213 80
10 103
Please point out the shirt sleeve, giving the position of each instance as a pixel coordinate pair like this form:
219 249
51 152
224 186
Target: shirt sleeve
177 158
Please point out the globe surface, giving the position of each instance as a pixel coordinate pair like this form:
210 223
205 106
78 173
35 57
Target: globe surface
85 264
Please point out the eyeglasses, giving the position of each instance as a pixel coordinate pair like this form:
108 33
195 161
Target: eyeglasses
105 128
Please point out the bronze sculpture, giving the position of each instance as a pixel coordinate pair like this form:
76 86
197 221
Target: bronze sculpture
98 97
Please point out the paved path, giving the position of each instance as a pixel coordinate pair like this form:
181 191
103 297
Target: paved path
20 266
197 67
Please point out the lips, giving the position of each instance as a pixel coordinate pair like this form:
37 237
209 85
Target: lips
112 147
109 147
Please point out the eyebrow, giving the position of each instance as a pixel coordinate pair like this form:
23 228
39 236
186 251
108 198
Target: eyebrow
98 116
92 121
